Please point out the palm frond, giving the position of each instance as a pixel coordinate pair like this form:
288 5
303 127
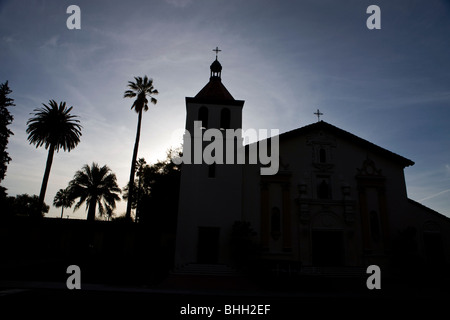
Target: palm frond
141 88
95 183
63 198
54 125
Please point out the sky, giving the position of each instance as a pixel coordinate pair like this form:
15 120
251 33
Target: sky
286 59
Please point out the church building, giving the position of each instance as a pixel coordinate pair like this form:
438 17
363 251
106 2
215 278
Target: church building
337 200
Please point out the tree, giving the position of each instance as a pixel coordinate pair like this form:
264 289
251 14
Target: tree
5 120
26 206
63 200
54 128
158 186
141 88
97 186
141 193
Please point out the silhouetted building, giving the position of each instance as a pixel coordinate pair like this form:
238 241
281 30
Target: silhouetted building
210 194
337 200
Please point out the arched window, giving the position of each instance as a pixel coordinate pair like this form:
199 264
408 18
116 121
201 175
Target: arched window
275 223
322 155
225 118
374 226
203 116
323 190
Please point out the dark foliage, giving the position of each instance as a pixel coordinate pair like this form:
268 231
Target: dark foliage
53 127
63 200
23 205
95 186
142 88
5 120
157 190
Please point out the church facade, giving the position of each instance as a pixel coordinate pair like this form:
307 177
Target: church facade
337 200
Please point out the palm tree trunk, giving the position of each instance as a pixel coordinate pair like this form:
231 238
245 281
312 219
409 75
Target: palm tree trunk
133 167
48 166
62 211
91 211
138 199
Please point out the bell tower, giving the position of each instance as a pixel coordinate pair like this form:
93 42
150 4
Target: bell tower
210 189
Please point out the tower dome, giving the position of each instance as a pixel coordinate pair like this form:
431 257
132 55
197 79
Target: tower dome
216 69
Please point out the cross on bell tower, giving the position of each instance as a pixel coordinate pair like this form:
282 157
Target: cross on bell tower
318 114
216 67
216 50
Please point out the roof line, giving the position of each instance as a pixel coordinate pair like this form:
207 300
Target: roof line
428 209
345 134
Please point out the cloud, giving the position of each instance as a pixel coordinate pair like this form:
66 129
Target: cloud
51 43
10 39
434 195
179 3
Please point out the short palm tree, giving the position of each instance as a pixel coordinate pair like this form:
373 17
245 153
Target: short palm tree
54 128
141 88
63 200
97 186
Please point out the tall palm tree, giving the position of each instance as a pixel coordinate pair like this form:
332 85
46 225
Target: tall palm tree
97 186
140 89
54 128
63 199
140 191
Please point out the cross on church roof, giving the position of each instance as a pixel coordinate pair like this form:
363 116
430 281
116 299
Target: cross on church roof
318 114
217 51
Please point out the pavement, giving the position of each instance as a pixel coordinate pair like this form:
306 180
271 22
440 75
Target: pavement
181 297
